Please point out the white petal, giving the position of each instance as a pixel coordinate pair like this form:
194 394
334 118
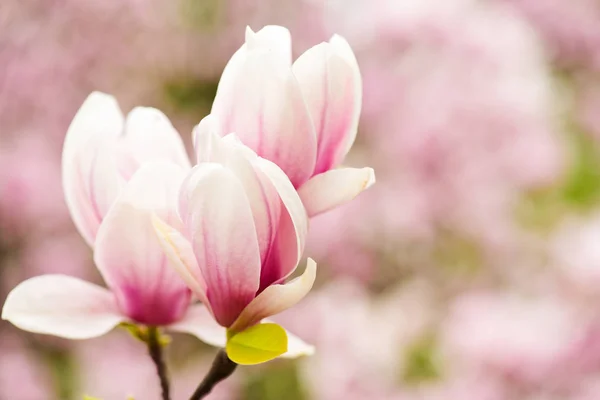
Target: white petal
271 38
277 298
150 136
297 347
181 254
62 306
199 322
89 176
333 188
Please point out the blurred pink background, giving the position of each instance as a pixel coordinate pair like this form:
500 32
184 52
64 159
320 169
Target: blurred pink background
471 270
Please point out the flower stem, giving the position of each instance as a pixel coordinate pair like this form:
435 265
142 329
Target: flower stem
222 367
155 350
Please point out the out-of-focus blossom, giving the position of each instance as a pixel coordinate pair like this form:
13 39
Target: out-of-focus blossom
30 195
459 122
241 234
571 30
103 150
524 340
63 254
361 342
22 376
588 105
115 367
576 253
303 117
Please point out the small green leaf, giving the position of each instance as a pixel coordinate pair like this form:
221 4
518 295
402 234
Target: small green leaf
257 344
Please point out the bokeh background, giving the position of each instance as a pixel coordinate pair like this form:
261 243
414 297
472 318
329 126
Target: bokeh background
471 270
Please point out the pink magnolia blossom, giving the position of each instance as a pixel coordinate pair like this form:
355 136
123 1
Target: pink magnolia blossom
524 340
241 234
302 116
103 150
101 153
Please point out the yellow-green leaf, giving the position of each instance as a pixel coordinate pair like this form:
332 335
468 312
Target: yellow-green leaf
257 344
86 397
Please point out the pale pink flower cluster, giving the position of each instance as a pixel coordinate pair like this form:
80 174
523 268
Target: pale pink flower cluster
460 121
570 29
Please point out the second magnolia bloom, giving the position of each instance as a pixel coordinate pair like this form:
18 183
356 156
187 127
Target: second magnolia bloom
302 116
242 233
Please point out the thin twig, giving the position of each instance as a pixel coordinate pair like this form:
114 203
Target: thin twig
155 350
221 368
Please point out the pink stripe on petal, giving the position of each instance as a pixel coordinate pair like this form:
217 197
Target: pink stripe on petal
261 101
292 227
219 221
331 84
129 254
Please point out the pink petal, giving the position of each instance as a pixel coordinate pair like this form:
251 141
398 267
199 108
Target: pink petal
150 136
90 179
263 197
198 321
128 252
331 84
219 221
291 230
276 298
260 100
63 306
333 188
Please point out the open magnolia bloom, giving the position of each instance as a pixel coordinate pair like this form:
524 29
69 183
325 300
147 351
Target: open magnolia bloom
116 173
241 234
302 116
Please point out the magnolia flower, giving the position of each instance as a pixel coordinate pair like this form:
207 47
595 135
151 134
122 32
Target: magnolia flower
302 116
241 234
102 151
141 286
